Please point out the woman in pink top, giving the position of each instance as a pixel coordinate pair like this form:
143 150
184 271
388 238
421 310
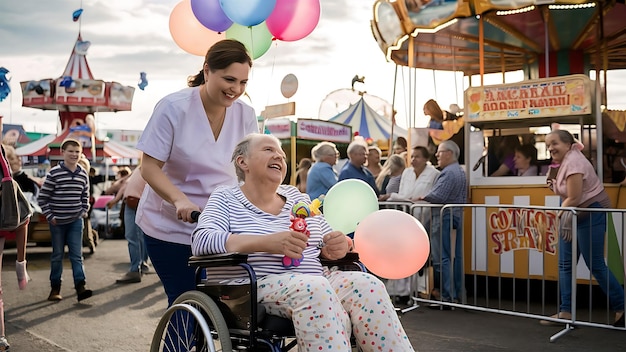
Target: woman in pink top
131 192
187 146
574 179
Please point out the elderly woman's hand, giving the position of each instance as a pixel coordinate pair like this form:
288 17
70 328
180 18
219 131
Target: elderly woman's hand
335 245
291 243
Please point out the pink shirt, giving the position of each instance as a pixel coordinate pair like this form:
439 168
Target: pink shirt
573 163
134 185
179 134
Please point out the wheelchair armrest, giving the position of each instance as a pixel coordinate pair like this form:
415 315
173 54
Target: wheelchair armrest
217 260
349 259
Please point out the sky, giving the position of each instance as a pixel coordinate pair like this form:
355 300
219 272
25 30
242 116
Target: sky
130 36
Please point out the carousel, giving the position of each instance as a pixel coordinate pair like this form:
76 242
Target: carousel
565 50
78 97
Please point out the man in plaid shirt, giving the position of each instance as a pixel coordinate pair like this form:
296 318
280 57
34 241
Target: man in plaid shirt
450 188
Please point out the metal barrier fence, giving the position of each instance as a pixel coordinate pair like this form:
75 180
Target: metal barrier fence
510 261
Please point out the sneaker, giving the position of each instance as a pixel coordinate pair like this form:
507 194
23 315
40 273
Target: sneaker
4 344
560 315
129 278
145 268
22 275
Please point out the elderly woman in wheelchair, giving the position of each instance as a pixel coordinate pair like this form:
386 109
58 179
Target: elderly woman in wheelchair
326 307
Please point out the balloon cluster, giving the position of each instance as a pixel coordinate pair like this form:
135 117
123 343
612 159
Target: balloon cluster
195 25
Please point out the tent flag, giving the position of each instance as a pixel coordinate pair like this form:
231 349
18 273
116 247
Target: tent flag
614 256
76 15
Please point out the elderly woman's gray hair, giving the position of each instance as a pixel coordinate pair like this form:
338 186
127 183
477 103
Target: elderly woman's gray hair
323 148
243 149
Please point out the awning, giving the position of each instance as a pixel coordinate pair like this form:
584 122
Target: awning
117 150
36 148
49 146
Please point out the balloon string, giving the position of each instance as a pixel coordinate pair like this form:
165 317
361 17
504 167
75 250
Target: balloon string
267 101
251 39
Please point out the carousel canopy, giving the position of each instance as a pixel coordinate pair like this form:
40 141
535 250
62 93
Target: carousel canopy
445 35
367 122
77 90
50 146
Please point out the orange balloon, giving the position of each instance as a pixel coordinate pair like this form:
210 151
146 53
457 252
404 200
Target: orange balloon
392 244
189 34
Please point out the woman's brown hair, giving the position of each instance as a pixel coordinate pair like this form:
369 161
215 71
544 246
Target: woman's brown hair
219 56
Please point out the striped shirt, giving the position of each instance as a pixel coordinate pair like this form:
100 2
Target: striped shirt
228 211
64 195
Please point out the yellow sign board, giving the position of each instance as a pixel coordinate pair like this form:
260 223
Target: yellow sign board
279 110
557 96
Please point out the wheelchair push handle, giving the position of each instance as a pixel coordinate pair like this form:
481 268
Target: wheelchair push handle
195 215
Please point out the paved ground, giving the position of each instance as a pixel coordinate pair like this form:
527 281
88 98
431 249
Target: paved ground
123 317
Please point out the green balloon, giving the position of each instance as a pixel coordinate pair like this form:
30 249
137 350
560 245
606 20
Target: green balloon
257 39
347 203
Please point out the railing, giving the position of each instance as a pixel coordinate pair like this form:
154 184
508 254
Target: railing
510 260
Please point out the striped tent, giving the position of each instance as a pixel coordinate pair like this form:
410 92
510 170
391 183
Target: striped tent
368 123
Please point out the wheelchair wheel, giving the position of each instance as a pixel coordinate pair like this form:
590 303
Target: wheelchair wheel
182 328
219 336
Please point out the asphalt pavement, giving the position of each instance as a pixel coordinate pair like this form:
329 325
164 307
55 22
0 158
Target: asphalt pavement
123 317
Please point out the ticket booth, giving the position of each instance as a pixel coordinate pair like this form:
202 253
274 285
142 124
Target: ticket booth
522 243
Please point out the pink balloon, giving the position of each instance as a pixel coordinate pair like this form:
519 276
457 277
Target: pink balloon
293 20
189 34
392 244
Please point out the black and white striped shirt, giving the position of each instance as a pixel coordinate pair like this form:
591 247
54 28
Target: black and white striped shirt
64 194
228 211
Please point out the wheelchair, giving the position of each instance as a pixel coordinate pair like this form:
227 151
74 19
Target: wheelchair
228 318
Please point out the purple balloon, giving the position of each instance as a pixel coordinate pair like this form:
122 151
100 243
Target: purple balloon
210 14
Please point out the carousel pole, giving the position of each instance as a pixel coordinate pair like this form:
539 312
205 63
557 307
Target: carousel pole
393 111
481 49
547 48
599 99
412 96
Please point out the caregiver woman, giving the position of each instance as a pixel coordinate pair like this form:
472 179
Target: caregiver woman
187 146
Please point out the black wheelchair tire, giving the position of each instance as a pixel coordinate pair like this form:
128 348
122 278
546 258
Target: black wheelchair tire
209 310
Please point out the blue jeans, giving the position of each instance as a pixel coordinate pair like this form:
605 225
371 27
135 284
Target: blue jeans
591 227
71 235
170 263
136 243
441 253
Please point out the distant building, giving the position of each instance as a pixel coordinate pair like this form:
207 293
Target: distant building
129 138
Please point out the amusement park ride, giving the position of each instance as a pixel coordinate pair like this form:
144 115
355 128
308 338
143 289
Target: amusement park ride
78 97
558 45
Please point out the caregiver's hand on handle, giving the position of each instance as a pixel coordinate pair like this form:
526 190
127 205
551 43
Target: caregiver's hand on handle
184 209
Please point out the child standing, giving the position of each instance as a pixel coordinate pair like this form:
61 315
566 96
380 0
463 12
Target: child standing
64 200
